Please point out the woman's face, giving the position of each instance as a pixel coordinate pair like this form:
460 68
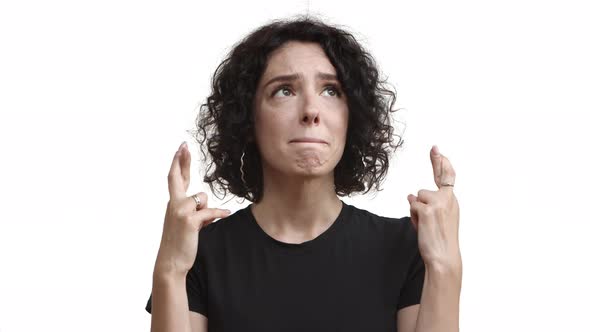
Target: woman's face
308 105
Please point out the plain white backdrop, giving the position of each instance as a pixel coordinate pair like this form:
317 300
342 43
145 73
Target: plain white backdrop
95 98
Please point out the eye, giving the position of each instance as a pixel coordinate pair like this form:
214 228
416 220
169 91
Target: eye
334 88
281 88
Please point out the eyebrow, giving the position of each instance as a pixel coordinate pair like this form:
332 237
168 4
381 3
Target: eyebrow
294 77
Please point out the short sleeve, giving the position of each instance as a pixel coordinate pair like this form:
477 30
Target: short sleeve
196 286
411 290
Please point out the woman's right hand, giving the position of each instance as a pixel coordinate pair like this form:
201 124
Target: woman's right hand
182 223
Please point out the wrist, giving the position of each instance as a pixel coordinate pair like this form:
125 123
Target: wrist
168 272
447 268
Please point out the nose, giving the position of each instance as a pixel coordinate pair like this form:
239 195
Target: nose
310 110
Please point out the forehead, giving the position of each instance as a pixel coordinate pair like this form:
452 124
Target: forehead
296 56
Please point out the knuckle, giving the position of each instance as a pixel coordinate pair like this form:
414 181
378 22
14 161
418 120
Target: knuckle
178 213
185 219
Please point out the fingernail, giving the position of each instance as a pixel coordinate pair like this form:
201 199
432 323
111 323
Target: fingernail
226 210
181 145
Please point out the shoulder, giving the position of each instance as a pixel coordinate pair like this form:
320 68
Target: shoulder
372 216
398 225
221 229
397 231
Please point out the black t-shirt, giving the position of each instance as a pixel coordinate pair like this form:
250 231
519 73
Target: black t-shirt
352 277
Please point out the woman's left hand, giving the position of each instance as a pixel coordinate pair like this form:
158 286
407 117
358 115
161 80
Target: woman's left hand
435 215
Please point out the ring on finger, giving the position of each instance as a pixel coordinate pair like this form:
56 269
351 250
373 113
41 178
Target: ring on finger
198 200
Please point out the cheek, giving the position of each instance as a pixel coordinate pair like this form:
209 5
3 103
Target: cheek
343 124
276 119
272 131
272 127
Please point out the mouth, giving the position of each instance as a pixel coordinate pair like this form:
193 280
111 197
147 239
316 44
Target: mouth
308 140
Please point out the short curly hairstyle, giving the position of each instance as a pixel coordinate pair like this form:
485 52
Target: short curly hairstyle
227 115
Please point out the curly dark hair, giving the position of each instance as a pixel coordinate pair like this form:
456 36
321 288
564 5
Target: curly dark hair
227 115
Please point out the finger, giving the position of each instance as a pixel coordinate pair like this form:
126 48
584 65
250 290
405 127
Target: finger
415 207
175 181
415 203
192 203
204 199
185 166
188 205
448 173
435 160
208 215
427 196
207 222
442 169
414 220
413 214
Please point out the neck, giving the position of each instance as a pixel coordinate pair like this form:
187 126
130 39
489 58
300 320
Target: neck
297 207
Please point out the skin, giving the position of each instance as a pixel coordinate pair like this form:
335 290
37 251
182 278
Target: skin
299 201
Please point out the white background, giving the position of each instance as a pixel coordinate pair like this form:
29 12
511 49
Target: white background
95 98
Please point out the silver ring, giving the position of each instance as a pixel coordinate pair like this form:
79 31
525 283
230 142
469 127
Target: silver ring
447 185
198 200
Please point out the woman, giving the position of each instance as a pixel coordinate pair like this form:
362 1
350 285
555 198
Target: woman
298 118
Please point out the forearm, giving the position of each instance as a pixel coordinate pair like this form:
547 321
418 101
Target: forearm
439 304
169 303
